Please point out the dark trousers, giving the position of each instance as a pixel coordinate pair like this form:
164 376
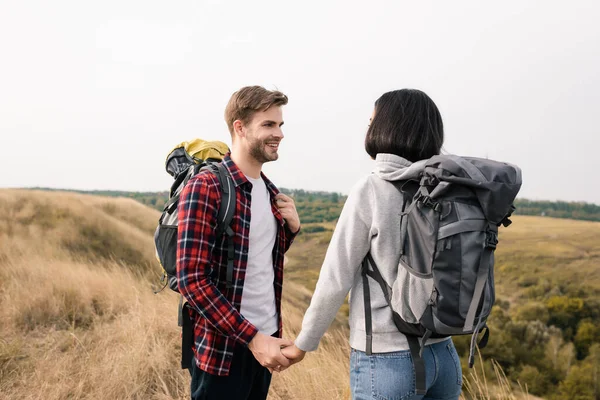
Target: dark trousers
247 380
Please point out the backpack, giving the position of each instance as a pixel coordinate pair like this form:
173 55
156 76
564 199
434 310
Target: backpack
185 161
448 234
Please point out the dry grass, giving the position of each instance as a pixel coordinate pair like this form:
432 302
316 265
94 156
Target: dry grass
78 319
479 385
322 374
83 324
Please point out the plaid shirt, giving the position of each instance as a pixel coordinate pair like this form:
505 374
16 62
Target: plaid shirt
202 265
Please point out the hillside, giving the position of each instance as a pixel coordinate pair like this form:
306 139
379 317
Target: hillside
545 328
78 318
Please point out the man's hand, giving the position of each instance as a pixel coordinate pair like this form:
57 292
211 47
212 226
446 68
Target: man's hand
267 351
293 353
287 208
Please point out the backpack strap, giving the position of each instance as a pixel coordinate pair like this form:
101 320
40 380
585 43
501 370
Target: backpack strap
227 208
482 276
181 181
482 343
367 300
187 336
414 345
225 215
418 364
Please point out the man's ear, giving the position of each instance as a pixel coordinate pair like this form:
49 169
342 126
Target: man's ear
238 129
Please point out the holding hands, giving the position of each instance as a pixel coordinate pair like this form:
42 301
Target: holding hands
293 354
275 354
267 351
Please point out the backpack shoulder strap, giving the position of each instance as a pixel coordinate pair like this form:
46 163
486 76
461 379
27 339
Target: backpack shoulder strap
227 208
415 346
226 211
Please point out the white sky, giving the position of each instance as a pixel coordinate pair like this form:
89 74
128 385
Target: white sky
93 95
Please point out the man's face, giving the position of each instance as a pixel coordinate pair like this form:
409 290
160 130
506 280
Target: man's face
263 134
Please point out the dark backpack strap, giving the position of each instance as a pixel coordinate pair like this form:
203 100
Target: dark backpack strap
408 189
227 207
226 211
482 343
225 215
413 341
168 205
181 181
376 275
187 337
418 364
482 277
367 300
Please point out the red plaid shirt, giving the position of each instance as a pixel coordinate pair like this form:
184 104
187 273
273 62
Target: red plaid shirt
202 265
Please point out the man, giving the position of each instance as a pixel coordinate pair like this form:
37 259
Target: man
238 329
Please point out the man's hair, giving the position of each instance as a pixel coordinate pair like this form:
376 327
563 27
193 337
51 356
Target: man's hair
244 103
407 123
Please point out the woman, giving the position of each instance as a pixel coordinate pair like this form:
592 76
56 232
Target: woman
406 127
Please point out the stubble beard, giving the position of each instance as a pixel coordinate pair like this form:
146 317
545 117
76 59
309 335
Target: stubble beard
260 154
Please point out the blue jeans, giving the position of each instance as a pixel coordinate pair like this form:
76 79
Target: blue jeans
391 375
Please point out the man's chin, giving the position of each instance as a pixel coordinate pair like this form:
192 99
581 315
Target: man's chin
270 155
265 158
271 158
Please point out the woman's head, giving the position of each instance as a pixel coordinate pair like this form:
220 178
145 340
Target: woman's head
406 123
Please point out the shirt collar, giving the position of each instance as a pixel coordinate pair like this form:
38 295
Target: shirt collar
236 173
239 178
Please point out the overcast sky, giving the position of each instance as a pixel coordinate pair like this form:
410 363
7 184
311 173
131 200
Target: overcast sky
93 95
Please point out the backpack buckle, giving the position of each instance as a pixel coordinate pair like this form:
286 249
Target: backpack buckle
427 202
491 239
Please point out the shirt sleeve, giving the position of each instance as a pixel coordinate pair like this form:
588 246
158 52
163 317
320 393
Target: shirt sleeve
197 213
348 247
289 237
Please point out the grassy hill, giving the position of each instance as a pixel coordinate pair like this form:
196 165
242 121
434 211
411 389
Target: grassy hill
78 318
545 328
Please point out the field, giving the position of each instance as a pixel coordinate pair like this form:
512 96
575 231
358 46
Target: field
79 319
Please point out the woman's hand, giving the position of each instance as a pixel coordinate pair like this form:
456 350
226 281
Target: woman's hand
293 354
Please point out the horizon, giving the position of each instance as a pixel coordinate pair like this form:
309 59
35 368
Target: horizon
283 187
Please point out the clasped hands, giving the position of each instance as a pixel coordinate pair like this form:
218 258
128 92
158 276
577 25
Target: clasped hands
275 354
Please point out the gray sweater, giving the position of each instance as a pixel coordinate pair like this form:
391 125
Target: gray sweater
370 221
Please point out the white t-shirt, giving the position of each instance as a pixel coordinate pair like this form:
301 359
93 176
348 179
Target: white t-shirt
258 297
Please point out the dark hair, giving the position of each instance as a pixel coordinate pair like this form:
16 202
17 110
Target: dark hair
244 103
406 123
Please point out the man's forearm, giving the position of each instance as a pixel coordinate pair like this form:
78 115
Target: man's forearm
212 305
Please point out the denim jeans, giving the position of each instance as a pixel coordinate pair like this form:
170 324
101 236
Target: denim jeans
391 376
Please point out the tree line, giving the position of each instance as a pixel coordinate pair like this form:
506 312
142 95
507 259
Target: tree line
319 206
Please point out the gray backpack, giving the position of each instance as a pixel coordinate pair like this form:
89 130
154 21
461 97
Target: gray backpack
449 231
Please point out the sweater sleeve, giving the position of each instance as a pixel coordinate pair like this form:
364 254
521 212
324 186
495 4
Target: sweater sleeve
348 247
